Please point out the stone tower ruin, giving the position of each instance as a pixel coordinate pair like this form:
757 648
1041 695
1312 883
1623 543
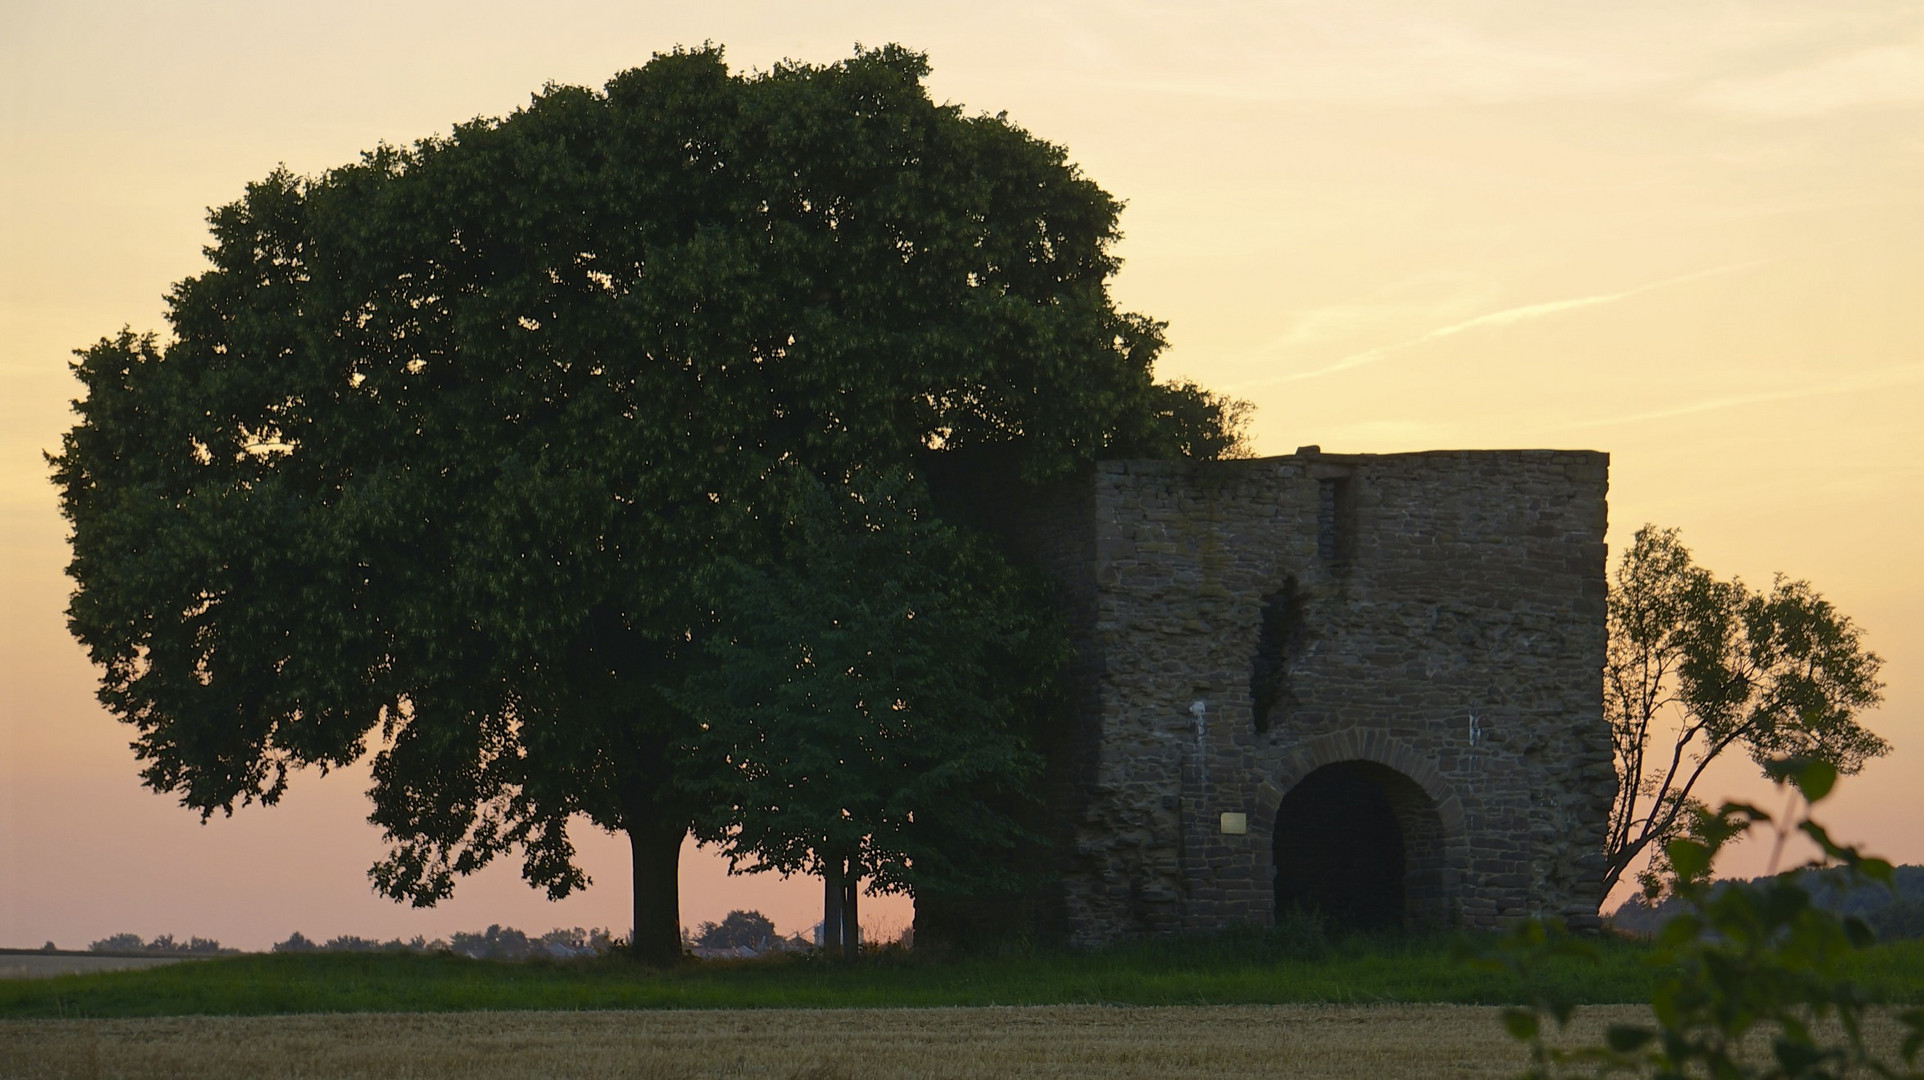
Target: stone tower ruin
1367 686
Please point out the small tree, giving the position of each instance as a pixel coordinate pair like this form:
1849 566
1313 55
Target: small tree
869 694
119 943
737 930
1696 666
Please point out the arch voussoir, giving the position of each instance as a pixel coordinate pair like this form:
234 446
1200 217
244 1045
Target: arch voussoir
1351 744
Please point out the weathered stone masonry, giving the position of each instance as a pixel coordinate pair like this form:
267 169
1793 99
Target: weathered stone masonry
1435 620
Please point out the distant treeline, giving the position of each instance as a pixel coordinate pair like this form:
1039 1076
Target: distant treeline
165 943
495 943
1892 917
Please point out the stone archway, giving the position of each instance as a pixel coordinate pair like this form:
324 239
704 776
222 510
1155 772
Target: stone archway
1365 833
1361 845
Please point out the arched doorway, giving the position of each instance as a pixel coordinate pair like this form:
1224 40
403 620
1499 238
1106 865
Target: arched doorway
1360 844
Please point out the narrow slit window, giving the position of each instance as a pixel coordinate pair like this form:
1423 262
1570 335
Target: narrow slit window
1278 637
1335 521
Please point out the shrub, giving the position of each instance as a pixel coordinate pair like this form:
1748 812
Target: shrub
1742 960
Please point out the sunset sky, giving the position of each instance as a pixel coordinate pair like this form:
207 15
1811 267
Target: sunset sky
1691 235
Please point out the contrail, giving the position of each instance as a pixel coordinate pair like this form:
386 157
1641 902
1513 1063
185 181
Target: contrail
1494 318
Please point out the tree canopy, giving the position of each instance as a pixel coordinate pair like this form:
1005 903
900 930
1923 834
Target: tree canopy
1697 665
456 453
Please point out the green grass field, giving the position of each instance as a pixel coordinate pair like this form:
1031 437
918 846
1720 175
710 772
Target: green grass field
1235 969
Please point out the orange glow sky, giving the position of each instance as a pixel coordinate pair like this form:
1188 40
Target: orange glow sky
1691 235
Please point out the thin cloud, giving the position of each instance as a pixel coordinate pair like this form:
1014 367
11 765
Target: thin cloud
1879 379
1307 326
1506 317
1345 56
1887 75
1331 52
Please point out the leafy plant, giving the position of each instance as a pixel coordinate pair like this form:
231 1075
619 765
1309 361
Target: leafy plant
1753 981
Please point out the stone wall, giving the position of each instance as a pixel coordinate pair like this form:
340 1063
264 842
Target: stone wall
1244 623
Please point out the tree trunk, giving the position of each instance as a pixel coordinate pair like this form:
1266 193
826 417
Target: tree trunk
657 873
832 908
851 925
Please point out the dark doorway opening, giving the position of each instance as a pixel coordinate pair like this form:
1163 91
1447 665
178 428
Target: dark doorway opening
1360 845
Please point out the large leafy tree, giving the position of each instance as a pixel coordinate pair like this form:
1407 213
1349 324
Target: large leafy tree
1697 666
445 442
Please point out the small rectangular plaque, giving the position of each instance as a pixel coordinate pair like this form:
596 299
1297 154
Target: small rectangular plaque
1235 824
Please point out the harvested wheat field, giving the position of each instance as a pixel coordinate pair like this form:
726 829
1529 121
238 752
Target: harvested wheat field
1055 1042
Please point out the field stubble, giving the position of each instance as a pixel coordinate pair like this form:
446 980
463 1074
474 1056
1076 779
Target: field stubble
1056 1042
